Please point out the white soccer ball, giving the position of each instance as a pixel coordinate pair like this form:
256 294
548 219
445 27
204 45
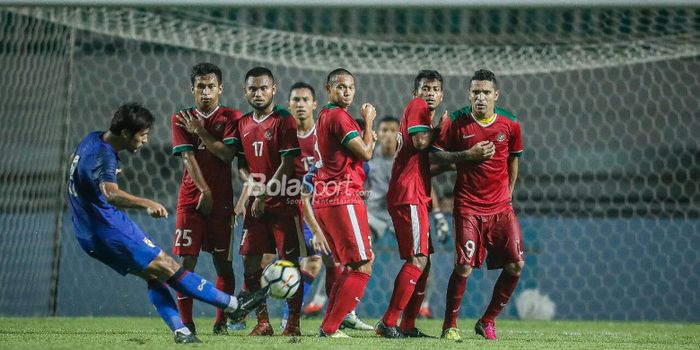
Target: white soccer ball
283 278
533 305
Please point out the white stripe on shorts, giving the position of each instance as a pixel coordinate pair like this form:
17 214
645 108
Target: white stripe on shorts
300 237
415 228
357 232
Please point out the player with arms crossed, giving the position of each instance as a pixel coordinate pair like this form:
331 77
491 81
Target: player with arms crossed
485 143
409 202
108 235
267 139
340 210
203 136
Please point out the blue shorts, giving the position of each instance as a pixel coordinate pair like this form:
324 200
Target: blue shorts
125 249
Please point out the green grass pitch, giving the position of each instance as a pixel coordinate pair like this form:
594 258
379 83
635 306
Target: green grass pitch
151 333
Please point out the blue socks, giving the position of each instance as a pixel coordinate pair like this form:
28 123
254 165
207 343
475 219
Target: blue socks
192 284
308 280
165 305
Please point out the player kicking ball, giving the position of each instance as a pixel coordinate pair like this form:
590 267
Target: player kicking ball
108 235
484 143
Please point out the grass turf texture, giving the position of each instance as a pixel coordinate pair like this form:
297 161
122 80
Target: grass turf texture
151 333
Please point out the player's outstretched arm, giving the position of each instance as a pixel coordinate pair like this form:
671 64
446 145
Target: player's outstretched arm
193 124
206 201
123 199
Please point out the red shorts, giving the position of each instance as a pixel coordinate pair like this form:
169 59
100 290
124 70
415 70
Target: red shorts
195 232
278 233
499 234
411 223
347 232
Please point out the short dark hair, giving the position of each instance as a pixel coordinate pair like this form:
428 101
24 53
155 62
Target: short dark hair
485 74
259 72
132 117
389 119
302 85
336 72
204 68
427 75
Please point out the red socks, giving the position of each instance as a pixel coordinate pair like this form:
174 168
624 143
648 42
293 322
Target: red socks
410 313
347 293
505 285
455 292
294 304
404 286
331 275
252 283
184 304
228 286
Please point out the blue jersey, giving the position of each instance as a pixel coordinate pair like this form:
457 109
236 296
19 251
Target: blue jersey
94 161
102 230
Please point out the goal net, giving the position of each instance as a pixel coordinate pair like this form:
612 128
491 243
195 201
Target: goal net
608 195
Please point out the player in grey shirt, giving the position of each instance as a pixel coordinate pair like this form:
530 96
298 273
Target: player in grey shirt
377 182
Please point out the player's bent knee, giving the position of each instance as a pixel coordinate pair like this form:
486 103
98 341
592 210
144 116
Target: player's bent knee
419 261
515 268
162 267
362 266
463 270
267 259
312 265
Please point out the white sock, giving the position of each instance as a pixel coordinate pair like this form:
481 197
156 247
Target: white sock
184 330
232 304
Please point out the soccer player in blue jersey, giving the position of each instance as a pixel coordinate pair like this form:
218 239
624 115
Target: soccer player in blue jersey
108 235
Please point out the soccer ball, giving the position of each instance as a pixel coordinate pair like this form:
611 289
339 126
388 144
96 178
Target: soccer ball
282 277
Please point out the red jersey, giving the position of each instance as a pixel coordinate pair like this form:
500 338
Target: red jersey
221 124
482 186
340 175
263 143
307 142
410 174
